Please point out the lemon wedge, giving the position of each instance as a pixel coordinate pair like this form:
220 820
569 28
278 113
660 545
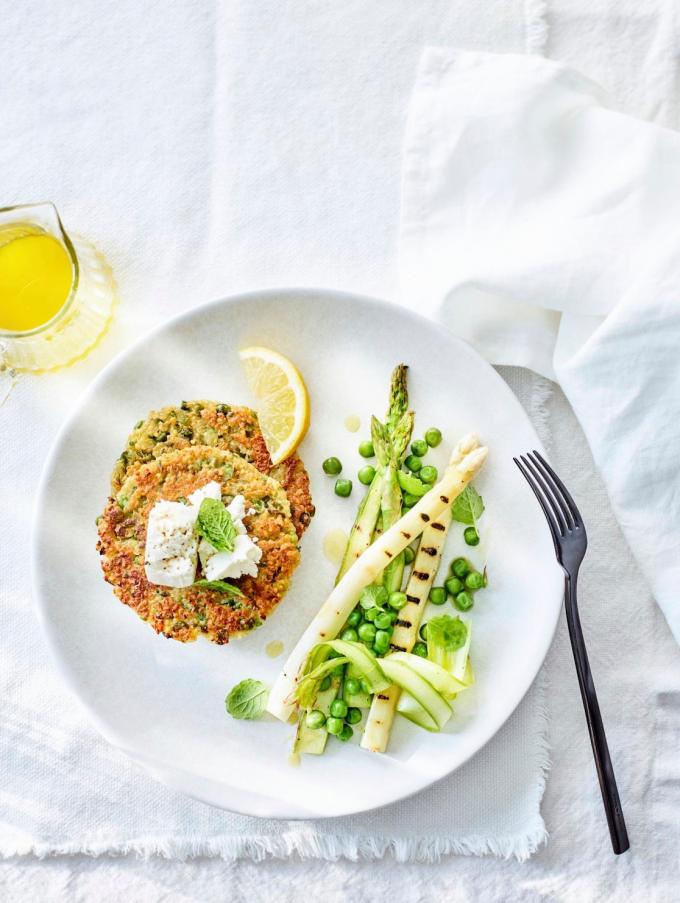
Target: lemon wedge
283 409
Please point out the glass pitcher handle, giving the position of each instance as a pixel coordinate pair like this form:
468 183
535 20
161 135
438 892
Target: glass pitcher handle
8 376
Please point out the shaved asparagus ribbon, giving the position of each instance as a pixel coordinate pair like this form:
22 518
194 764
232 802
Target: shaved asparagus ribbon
466 461
428 689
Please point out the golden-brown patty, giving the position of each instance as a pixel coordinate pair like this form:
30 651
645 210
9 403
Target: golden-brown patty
229 427
185 613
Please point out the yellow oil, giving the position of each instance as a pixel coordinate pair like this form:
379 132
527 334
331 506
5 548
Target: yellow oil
334 544
36 275
274 648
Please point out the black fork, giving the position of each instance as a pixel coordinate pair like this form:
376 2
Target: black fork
570 541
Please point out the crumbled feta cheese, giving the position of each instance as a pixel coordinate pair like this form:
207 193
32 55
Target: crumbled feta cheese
242 560
211 490
224 565
170 531
176 572
237 509
171 552
172 548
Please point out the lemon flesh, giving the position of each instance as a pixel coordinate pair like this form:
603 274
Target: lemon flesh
283 408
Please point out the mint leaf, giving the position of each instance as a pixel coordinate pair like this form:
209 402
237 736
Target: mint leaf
447 632
215 524
373 596
219 586
468 507
411 484
247 700
445 635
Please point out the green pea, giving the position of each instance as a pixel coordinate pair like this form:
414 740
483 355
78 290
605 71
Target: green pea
409 555
454 586
422 633
352 686
325 683
346 733
334 726
413 463
419 447
433 437
437 595
474 580
315 719
353 716
367 632
343 488
429 474
460 568
354 618
339 671
397 600
464 601
382 640
410 500
471 536
338 708
365 686
420 649
332 466
366 449
371 614
366 475
384 620
349 635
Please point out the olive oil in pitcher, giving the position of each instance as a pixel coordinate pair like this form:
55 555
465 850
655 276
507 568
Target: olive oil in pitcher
56 291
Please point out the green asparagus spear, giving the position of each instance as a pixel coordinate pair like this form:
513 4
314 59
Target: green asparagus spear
395 434
391 502
398 403
379 509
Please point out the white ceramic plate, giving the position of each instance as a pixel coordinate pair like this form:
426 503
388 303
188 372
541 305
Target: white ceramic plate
162 701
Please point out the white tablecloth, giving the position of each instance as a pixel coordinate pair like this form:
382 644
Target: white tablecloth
340 72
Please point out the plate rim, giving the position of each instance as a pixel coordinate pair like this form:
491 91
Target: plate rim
165 772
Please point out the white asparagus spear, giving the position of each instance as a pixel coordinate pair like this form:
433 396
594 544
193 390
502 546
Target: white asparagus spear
383 707
465 463
381 714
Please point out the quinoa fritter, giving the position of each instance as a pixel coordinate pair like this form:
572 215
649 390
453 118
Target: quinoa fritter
183 614
229 427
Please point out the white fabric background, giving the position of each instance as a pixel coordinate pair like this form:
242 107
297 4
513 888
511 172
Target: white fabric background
213 189
313 96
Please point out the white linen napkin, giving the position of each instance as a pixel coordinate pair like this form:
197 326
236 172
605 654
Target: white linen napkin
540 224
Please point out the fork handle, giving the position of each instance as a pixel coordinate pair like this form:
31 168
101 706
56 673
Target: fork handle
603 762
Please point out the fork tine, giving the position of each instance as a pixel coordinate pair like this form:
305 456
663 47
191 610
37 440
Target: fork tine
557 495
552 499
548 514
575 513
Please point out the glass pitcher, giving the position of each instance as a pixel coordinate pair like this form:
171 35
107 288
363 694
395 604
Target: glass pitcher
56 291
